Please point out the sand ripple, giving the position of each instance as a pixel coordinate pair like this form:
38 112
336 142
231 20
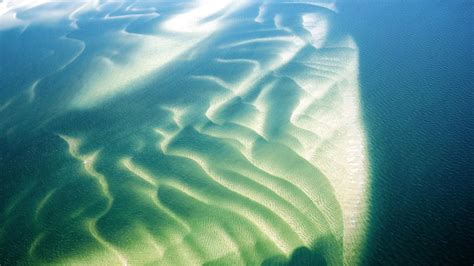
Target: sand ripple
186 134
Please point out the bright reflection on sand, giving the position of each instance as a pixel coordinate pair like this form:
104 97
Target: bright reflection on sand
150 53
194 20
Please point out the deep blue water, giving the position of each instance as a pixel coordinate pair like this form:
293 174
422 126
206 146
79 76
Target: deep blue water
416 71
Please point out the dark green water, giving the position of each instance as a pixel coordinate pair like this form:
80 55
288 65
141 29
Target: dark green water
416 71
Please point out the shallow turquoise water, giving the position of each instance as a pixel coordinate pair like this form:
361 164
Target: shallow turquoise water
180 133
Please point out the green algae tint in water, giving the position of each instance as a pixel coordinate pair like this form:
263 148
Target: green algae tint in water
180 133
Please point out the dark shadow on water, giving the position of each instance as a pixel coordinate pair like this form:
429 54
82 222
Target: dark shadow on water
325 251
301 256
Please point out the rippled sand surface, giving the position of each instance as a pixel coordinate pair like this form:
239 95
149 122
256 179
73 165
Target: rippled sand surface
180 133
